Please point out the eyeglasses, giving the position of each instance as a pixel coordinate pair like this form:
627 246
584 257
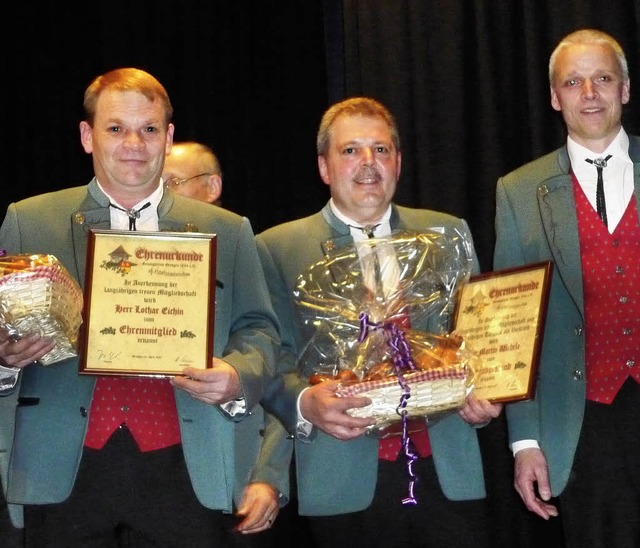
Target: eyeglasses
174 182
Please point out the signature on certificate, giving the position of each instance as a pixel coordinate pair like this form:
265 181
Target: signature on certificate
107 356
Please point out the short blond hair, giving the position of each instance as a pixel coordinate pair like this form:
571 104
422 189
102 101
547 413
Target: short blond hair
590 36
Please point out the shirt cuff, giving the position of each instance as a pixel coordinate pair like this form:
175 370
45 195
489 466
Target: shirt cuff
523 444
304 429
234 407
8 377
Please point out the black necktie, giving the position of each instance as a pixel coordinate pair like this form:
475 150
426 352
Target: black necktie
601 207
132 213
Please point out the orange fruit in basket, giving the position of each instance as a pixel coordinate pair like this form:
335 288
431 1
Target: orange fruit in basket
441 354
347 375
317 378
380 371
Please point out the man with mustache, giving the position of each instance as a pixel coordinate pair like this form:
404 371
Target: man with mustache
351 496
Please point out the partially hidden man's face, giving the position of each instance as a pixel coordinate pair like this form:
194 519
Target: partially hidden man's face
362 167
589 89
196 181
128 142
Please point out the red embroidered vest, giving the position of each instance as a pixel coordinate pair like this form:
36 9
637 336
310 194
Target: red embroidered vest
146 405
611 280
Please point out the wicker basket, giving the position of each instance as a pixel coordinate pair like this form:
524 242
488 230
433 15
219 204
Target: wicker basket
430 393
37 295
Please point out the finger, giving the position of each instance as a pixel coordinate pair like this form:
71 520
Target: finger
543 509
255 523
355 402
345 434
25 351
544 488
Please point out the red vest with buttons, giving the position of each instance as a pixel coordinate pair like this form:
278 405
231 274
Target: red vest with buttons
611 280
147 406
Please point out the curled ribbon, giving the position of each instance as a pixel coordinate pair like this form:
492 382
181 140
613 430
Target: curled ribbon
402 362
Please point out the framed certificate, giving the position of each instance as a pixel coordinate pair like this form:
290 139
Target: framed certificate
501 315
148 303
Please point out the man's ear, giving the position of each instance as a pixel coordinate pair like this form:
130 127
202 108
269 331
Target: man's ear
555 103
626 92
214 188
169 143
322 168
86 137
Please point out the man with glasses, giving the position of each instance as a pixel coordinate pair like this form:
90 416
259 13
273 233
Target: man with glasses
193 170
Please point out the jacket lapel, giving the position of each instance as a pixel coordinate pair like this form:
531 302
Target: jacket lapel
560 224
340 232
93 213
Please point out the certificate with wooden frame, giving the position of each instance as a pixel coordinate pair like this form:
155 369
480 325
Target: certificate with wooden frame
148 303
501 316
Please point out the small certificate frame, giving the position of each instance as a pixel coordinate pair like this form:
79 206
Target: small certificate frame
149 303
501 315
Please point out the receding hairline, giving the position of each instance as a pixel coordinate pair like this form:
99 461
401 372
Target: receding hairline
203 151
354 106
593 37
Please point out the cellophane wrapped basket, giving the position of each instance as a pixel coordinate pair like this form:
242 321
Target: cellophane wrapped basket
38 295
390 341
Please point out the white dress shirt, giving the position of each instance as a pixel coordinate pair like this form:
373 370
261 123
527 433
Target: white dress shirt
617 176
148 220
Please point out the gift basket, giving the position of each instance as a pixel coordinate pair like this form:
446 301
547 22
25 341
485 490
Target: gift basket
380 312
38 295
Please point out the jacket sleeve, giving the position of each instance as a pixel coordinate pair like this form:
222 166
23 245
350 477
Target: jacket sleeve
281 395
253 338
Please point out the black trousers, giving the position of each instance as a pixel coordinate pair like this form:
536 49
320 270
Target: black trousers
124 497
435 522
600 507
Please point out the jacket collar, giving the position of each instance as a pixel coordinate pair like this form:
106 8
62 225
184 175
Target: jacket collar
340 231
93 214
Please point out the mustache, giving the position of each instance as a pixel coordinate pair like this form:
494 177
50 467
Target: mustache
368 172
